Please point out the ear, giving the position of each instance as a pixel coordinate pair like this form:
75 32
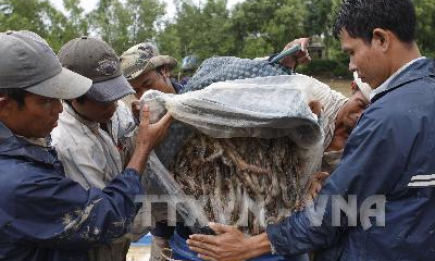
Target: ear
381 39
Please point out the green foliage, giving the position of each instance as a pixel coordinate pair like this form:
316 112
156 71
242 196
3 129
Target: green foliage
253 28
274 21
326 68
205 30
34 15
255 47
425 10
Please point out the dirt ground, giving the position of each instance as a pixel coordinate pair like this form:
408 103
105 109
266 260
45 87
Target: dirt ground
342 86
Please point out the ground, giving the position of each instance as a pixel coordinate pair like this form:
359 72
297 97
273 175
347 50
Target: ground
342 86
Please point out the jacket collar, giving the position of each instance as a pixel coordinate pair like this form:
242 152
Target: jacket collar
11 145
5 132
419 69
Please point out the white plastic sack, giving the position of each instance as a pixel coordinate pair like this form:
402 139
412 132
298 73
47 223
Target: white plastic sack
269 107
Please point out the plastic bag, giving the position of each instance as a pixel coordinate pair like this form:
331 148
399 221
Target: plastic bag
265 108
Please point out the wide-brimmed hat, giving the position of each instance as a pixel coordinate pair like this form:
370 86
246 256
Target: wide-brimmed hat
364 87
29 63
143 58
95 59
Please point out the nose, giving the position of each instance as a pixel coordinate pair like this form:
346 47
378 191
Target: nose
352 66
57 107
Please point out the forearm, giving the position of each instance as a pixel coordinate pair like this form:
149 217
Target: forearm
139 159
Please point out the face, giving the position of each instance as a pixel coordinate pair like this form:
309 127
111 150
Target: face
152 80
368 60
353 108
36 119
95 111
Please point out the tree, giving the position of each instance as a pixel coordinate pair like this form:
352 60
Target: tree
275 22
201 30
78 24
425 10
111 21
145 14
38 16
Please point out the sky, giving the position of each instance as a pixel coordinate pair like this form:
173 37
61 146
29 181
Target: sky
89 5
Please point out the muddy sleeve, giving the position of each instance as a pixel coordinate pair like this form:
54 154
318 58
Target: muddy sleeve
56 212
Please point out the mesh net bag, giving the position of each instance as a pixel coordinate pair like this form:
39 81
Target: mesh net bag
220 69
238 153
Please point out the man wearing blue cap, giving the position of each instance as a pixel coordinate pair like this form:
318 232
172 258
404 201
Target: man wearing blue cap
96 132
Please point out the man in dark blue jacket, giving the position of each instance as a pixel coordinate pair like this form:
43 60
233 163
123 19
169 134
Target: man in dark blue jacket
43 215
388 159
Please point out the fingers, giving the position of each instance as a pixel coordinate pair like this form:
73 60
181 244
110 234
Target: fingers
166 120
198 240
201 247
220 229
145 115
205 257
316 107
316 183
205 250
321 176
304 42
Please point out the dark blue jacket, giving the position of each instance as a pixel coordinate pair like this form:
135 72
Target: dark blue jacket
391 153
47 217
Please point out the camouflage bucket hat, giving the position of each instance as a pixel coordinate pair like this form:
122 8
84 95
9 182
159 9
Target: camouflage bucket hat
143 58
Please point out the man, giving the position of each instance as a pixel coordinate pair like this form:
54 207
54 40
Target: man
339 118
388 153
146 69
45 216
96 132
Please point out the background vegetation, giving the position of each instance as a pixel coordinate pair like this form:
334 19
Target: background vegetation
250 29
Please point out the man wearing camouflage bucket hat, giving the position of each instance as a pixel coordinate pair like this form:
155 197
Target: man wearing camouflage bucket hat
146 69
45 216
96 132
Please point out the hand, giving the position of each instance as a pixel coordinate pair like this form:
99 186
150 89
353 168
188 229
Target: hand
150 135
316 183
147 137
229 244
316 107
301 57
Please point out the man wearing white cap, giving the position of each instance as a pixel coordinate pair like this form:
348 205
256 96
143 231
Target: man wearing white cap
43 215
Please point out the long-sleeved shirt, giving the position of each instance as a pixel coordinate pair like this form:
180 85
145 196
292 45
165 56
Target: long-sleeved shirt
94 157
45 216
388 155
